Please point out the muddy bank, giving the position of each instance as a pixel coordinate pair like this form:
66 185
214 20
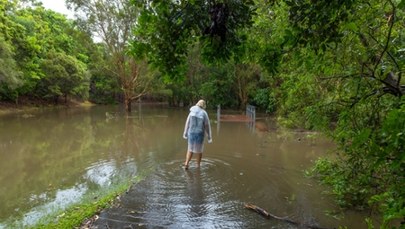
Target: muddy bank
30 105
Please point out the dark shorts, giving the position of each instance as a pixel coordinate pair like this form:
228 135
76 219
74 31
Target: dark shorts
195 138
195 142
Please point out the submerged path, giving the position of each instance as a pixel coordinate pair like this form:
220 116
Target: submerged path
172 197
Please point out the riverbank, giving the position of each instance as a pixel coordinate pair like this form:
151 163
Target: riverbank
82 214
30 105
85 213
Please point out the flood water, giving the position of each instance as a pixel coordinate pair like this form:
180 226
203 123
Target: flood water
54 158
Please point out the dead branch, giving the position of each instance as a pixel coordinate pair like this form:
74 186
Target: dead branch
267 215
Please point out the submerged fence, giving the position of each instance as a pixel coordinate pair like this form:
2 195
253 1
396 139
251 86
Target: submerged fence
251 114
249 117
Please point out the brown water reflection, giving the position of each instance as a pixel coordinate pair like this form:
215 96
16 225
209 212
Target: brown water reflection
55 158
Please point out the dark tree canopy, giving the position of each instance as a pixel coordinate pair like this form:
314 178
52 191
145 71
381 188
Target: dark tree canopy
317 22
167 28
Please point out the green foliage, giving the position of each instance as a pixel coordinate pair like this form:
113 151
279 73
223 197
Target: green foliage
34 36
10 76
332 174
271 58
64 75
348 85
218 90
103 88
231 85
317 22
374 177
9 72
24 50
167 27
264 99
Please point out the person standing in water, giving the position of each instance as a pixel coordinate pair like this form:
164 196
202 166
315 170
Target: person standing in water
197 125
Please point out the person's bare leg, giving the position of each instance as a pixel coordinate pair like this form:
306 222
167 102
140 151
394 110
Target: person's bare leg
199 156
189 155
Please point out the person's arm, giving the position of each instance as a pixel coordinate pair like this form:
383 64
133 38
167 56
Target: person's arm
186 127
208 128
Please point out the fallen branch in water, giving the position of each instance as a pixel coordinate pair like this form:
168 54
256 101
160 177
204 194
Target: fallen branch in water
267 215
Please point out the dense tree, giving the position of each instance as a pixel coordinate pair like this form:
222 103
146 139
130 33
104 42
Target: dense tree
104 89
15 31
9 73
64 75
31 38
112 22
345 77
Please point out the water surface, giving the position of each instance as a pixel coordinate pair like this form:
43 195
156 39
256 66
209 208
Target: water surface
51 159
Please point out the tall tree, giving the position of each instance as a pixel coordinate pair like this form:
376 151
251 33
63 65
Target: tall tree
10 75
112 22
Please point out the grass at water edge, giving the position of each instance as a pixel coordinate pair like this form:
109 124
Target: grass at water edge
75 215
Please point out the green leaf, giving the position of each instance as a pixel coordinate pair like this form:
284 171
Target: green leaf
401 5
352 26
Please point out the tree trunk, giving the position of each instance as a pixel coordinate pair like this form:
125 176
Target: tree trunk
128 102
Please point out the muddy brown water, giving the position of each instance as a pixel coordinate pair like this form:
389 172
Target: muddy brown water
54 158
